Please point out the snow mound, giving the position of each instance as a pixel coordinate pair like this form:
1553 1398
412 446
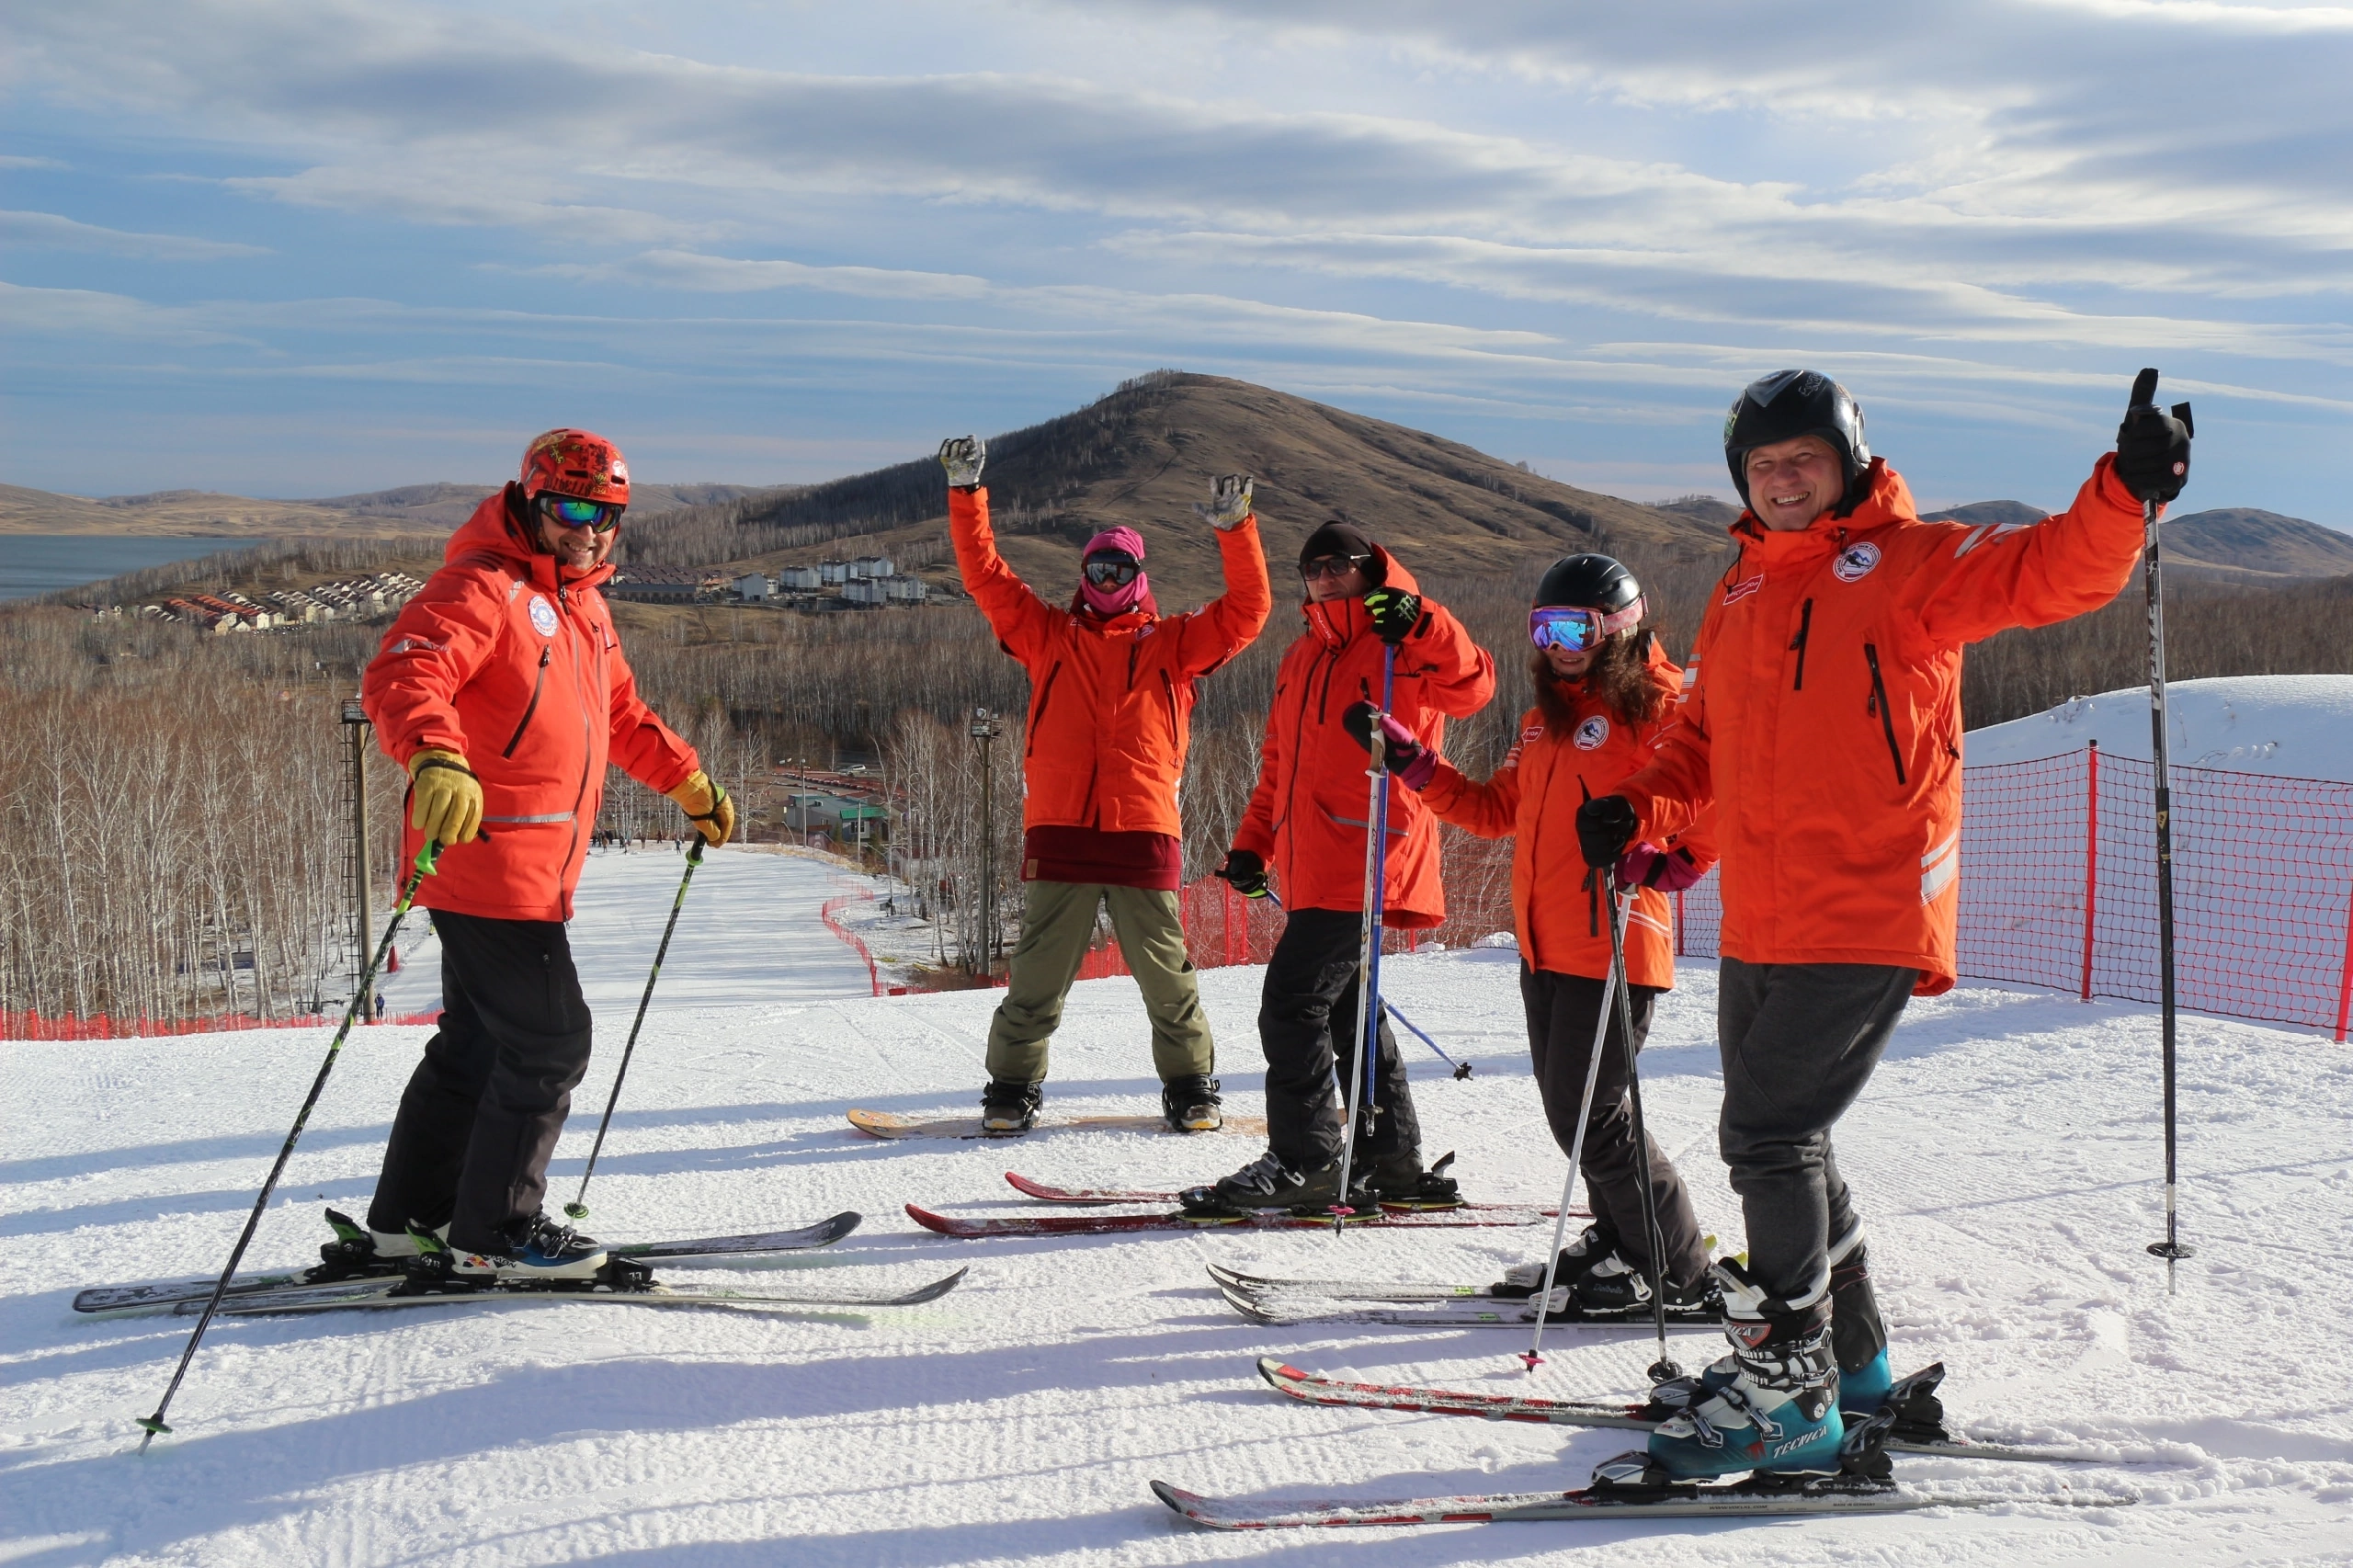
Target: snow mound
2289 726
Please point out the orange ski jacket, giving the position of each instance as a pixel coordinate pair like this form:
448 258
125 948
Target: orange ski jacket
1306 819
1563 921
1111 700
514 664
1821 710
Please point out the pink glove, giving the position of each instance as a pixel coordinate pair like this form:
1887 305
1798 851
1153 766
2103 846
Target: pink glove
1414 763
1647 866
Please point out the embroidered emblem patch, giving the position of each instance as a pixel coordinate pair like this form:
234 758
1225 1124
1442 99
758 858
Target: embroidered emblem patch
1736 592
1592 732
1855 562
1532 734
542 614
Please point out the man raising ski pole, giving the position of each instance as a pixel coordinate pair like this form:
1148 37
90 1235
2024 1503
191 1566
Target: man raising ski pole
1305 824
1112 684
1820 712
501 689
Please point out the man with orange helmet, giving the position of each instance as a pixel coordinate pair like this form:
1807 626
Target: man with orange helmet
501 689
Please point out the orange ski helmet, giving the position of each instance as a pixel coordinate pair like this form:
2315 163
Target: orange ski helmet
575 462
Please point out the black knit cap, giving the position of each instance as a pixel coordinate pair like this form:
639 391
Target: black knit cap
1334 537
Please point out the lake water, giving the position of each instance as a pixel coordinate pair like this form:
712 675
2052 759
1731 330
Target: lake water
43 564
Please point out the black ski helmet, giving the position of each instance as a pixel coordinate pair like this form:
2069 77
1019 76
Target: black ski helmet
1789 404
1587 582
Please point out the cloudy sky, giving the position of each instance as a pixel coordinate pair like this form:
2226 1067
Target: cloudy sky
314 246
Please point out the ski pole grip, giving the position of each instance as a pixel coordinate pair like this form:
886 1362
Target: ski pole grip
2145 388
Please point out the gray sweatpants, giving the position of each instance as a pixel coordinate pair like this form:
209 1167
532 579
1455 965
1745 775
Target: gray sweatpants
1799 1041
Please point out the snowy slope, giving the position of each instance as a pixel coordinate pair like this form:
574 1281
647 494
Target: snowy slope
2293 726
2007 1157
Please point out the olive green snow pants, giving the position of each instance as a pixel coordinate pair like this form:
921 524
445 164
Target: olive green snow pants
1057 921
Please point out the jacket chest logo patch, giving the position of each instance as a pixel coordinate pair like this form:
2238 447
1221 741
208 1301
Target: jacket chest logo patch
1855 562
1735 592
1531 736
542 614
1592 732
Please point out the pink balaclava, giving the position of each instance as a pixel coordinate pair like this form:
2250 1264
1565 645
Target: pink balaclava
1119 599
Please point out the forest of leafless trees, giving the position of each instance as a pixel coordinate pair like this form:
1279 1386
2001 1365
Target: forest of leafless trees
174 803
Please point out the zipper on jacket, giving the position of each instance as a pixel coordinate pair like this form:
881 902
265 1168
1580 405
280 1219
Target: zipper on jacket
1038 715
1169 692
1878 704
538 686
1805 625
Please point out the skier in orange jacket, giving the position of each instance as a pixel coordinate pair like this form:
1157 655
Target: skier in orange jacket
1111 683
1604 690
501 689
1306 822
1820 712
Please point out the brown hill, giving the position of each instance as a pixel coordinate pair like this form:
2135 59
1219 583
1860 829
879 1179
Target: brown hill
1144 454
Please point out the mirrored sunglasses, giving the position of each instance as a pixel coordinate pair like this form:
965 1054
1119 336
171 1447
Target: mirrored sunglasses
1105 570
1578 631
571 512
1332 566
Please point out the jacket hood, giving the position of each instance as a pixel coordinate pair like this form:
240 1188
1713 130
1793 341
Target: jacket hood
496 529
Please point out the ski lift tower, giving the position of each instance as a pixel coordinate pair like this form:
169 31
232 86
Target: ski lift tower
355 721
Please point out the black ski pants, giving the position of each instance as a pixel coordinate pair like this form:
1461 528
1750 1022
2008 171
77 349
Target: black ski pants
481 1113
1799 1043
1307 1011
1564 1011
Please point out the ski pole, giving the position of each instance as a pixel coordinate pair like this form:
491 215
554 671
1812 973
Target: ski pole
1461 1069
425 867
2172 1249
1664 1367
1376 880
578 1208
1533 1355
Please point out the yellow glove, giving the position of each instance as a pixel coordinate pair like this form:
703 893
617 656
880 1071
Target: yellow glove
707 806
445 798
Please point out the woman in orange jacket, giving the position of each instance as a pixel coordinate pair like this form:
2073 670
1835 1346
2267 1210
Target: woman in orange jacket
1112 684
1604 689
1821 715
1306 822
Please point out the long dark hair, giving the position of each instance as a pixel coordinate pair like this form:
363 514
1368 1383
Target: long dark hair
1620 675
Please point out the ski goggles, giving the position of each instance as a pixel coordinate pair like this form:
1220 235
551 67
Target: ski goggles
572 512
1109 568
1332 566
1579 631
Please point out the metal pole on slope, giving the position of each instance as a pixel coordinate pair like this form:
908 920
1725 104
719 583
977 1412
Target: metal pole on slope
1533 1356
424 865
1664 1367
578 1207
2172 1249
1375 884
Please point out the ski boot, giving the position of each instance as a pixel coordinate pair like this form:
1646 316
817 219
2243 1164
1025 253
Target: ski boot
1614 1288
534 1251
1399 1182
1267 1183
1857 1336
1522 1280
1009 1109
1771 1405
358 1252
1191 1104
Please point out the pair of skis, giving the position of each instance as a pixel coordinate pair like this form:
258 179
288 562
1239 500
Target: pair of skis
1281 1302
326 1287
1388 1216
1910 1422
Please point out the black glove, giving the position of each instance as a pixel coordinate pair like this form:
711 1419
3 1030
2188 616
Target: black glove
1395 613
1606 824
2153 446
1358 721
1245 872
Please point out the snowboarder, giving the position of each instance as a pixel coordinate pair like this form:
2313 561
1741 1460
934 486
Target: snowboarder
1821 710
501 689
1302 827
1604 689
1112 685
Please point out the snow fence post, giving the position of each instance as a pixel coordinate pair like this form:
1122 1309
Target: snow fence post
2345 980
2091 858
